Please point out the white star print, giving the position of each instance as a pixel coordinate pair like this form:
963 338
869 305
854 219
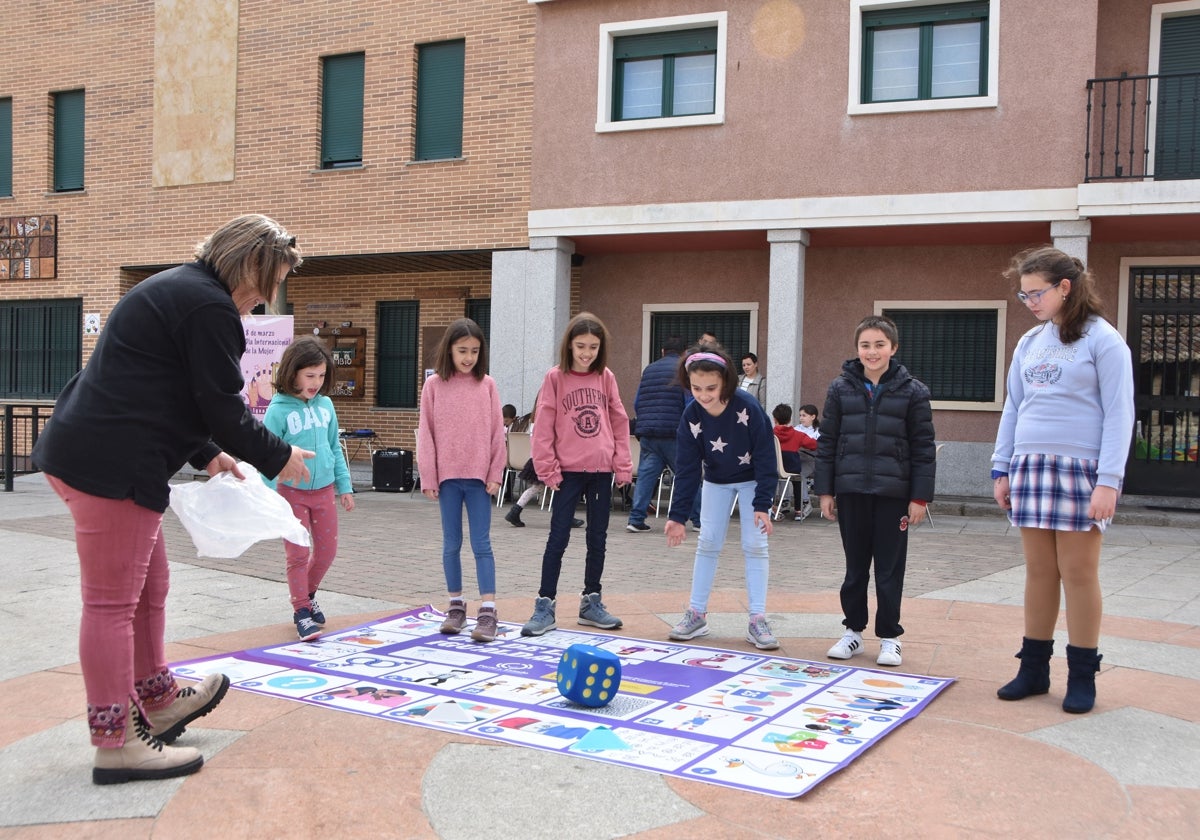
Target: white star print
695 427
743 417
744 459
719 445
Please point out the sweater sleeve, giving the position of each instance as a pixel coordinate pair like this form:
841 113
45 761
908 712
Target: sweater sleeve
341 470
1006 433
619 419
1114 369
766 470
545 458
499 447
426 442
689 453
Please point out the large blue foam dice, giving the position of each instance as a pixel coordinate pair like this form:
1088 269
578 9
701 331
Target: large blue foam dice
588 675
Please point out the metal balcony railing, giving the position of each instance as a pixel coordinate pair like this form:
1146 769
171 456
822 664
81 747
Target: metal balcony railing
1143 127
22 424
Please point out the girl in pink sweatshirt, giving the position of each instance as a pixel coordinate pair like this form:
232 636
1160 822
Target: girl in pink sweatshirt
580 443
461 456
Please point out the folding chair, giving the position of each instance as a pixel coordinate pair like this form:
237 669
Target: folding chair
783 485
520 447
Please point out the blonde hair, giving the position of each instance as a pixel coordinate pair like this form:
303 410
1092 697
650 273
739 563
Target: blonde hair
250 251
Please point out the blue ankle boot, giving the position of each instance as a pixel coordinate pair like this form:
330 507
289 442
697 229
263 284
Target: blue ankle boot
1033 677
1083 663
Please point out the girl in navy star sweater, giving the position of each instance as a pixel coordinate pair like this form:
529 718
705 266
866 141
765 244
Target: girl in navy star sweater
727 432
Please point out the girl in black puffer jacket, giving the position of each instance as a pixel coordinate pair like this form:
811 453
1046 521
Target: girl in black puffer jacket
875 474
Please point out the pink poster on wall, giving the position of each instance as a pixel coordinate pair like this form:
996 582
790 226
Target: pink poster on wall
267 336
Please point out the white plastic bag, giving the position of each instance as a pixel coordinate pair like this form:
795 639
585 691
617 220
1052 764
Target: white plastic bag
226 515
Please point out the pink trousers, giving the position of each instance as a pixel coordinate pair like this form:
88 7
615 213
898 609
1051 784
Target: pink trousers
306 567
124 580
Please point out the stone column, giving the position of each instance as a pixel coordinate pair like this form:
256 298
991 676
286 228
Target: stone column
531 299
1072 237
785 316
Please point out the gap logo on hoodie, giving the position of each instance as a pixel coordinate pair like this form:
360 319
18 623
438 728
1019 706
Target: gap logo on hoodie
298 421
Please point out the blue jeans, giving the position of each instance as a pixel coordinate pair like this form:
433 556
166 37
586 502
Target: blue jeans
596 488
453 494
657 453
714 521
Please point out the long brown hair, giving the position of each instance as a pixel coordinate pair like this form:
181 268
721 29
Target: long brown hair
585 323
708 358
304 352
443 356
1079 304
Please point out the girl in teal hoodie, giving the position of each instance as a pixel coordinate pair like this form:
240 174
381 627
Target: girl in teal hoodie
302 414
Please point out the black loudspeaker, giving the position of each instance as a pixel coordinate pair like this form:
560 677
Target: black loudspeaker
392 470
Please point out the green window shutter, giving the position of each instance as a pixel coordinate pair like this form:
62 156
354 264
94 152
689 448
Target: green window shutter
68 141
927 14
479 310
654 44
6 149
397 349
41 345
342 110
440 71
953 351
732 329
1176 154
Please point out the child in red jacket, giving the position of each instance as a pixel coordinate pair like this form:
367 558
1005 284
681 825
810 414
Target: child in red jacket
798 449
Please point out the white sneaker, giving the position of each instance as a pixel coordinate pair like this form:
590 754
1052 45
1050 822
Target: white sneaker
847 646
889 652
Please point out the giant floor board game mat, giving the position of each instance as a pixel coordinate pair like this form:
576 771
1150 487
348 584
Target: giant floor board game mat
741 719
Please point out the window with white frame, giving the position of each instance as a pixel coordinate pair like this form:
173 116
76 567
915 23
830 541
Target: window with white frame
954 347
662 72
735 326
919 55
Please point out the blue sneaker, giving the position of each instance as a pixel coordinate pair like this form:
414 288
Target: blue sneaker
315 608
593 614
543 618
306 628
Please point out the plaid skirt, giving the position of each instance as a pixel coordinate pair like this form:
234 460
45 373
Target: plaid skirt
1052 492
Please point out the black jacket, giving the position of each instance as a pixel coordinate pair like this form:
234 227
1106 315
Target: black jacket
162 385
881 445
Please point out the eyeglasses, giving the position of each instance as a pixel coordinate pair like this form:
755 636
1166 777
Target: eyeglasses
1036 297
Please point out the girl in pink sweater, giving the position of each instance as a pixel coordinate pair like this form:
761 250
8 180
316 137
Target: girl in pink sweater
461 456
580 441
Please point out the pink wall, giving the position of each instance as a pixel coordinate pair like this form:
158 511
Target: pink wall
842 285
787 132
614 287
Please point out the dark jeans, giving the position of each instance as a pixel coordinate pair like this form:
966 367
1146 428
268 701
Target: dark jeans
596 489
873 527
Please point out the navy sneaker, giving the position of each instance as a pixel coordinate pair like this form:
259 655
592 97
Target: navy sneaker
306 628
315 608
